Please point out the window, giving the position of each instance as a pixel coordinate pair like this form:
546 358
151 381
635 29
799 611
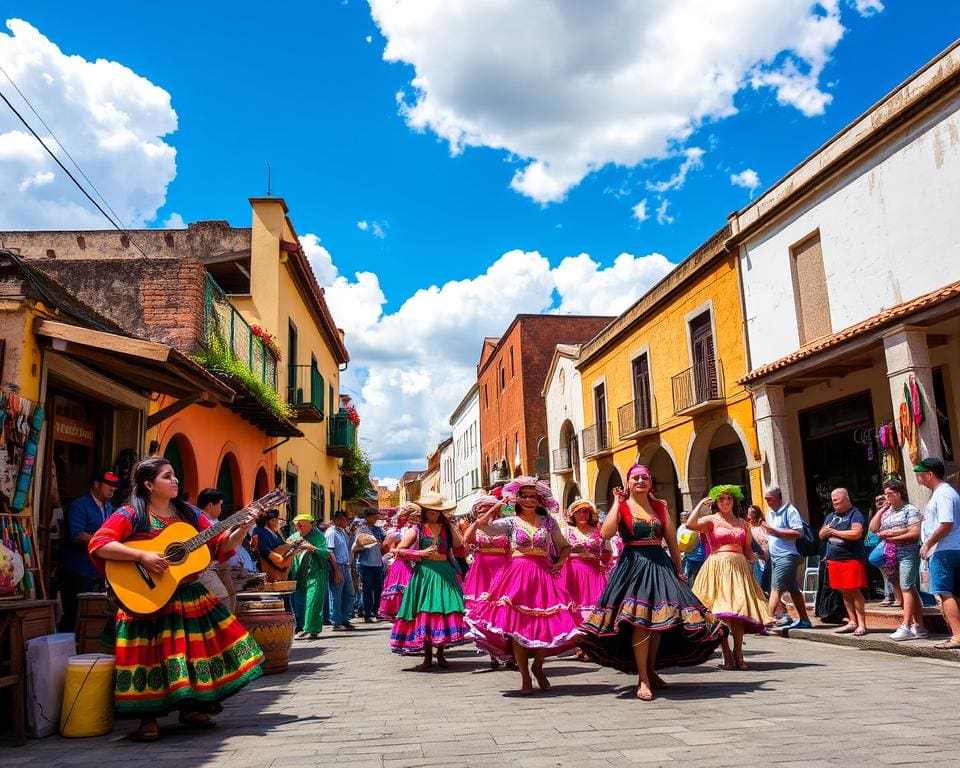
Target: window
501 375
292 395
810 294
512 371
600 411
292 510
316 385
706 385
333 502
317 499
486 397
640 373
332 411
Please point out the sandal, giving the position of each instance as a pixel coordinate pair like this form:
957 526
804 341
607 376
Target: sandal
860 632
197 720
644 695
149 731
948 645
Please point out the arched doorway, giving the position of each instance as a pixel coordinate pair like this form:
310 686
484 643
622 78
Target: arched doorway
667 484
728 461
570 494
608 478
179 452
261 484
228 483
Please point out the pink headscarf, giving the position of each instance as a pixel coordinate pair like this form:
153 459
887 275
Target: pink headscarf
543 491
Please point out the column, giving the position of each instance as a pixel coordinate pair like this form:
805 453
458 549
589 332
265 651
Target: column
771 418
906 352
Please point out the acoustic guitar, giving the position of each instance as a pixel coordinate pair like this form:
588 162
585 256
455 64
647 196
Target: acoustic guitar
186 553
277 564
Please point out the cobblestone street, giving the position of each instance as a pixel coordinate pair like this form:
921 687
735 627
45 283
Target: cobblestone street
346 701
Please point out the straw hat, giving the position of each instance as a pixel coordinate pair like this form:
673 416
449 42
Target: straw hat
433 500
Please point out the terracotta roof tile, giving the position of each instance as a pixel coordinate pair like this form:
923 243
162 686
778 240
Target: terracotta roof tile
886 317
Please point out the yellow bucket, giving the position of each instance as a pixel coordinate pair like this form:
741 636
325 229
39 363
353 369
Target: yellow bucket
87 696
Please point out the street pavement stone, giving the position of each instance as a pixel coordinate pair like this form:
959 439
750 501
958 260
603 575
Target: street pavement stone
346 701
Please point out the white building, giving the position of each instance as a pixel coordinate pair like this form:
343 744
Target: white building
564 402
850 268
465 422
447 472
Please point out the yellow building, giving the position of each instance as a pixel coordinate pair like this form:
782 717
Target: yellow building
284 300
660 387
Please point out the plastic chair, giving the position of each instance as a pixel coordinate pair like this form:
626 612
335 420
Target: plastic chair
811 579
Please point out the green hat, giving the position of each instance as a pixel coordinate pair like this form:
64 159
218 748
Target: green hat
718 490
303 518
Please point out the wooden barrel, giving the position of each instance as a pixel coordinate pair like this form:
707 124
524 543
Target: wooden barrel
95 610
271 625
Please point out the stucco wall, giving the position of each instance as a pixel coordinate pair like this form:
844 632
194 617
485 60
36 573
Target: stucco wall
565 403
888 234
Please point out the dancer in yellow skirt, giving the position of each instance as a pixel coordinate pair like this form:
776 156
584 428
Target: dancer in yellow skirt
725 583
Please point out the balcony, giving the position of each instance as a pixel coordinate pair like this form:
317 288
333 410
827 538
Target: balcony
341 436
542 467
637 418
305 393
562 460
596 439
698 389
225 330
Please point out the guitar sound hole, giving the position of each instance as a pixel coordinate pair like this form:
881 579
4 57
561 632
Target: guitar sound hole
176 554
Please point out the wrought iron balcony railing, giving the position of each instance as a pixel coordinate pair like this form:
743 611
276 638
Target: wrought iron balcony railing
637 416
305 393
562 460
596 439
698 388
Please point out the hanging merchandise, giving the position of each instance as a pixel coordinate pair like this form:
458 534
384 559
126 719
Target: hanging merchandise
890 461
29 459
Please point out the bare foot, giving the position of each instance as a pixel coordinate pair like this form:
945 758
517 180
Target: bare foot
526 689
644 693
741 664
541 678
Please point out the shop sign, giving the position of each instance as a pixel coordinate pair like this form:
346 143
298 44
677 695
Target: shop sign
72 431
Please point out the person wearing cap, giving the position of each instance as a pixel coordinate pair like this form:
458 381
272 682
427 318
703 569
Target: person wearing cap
85 515
309 570
370 560
940 534
341 594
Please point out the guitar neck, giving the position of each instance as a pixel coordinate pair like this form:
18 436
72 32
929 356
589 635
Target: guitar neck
215 530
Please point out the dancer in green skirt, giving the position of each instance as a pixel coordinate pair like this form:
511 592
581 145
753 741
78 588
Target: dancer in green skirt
431 614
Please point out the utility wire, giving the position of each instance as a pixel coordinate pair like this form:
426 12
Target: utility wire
70 175
60 144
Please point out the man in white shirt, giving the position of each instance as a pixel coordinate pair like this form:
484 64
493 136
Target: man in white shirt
784 526
940 534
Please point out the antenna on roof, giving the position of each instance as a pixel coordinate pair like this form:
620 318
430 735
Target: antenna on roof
268 179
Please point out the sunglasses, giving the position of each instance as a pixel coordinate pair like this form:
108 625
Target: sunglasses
528 496
644 478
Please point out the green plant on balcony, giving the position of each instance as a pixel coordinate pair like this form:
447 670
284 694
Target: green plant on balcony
356 475
217 356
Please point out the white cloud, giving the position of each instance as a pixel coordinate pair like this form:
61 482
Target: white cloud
747 178
320 259
363 225
390 483
369 38
662 216
868 7
640 211
375 228
693 160
174 221
111 120
567 88
411 367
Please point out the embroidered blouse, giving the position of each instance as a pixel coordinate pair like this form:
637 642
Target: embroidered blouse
724 535
528 539
592 543
640 530
485 542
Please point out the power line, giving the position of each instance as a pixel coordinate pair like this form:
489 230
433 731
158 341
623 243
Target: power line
67 171
60 144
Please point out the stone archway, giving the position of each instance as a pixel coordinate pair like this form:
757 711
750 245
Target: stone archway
571 493
228 483
179 452
608 478
717 454
666 481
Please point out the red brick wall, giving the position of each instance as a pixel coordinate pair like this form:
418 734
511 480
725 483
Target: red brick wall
172 302
519 408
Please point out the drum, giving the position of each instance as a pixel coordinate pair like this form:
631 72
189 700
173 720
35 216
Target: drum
96 622
271 624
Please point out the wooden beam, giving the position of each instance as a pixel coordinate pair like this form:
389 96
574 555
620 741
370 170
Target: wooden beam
171 410
146 350
148 378
93 382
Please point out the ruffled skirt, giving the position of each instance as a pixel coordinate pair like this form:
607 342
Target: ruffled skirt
584 580
644 591
398 576
190 654
526 604
727 587
483 571
431 610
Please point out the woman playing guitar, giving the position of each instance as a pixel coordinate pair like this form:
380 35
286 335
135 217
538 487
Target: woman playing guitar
192 653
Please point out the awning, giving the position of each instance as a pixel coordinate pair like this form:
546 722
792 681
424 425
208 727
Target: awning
145 365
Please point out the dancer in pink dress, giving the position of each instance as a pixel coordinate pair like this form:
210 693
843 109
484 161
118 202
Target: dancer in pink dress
526 608
401 569
490 555
584 575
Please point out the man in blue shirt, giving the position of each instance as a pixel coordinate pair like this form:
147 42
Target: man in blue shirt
85 515
784 526
370 559
341 595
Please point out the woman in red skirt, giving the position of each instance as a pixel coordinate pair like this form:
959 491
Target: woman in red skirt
847 559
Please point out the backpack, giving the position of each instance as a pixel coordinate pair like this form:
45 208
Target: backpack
807 544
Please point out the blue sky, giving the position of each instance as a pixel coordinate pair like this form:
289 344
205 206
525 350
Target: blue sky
392 211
